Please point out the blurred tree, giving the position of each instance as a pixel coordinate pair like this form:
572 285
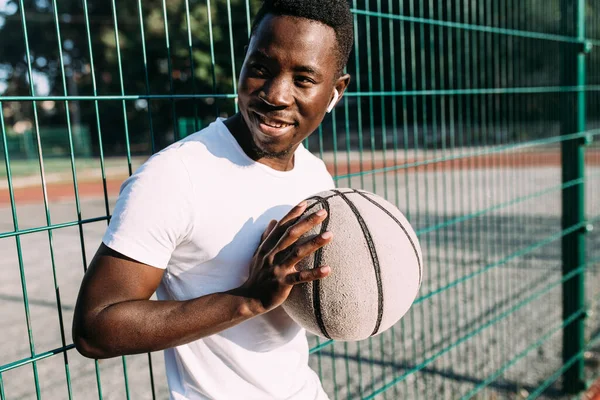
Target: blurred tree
178 61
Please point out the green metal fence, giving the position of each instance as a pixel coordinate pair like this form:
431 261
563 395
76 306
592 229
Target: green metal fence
476 117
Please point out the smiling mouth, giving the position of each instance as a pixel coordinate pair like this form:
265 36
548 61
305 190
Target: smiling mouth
273 123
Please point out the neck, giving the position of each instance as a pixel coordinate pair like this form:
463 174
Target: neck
239 130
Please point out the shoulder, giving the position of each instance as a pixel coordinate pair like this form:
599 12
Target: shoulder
187 154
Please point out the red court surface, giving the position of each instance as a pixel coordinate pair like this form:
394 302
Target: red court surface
64 190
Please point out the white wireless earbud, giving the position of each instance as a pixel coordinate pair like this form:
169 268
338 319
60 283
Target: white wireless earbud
336 96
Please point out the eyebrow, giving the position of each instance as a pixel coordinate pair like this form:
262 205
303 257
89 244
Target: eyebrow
301 68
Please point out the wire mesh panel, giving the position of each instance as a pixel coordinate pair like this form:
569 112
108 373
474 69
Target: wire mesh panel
459 112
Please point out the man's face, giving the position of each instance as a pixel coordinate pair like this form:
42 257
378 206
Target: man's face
287 82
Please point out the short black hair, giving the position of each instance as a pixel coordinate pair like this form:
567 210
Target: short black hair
333 13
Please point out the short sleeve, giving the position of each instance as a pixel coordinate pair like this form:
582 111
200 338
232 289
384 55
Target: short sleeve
153 213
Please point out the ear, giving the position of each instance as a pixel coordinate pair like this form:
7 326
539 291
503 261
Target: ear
341 85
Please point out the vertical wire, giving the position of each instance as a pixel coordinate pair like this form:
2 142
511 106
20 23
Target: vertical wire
13 205
477 139
334 371
403 83
2 394
212 54
403 68
176 133
122 86
529 103
360 146
101 151
455 232
127 143
96 107
415 129
152 144
431 171
371 104
481 172
44 187
359 99
445 331
507 184
146 78
77 202
498 172
490 181
417 222
436 46
248 22
335 142
462 126
347 135
382 88
233 69
426 242
384 159
192 65
516 128
520 239
395 163
347 365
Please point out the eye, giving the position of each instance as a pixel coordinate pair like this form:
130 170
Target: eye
304 81
259 70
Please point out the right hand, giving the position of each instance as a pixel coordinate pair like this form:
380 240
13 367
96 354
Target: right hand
273 271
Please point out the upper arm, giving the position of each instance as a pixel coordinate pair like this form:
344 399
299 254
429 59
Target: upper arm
110 279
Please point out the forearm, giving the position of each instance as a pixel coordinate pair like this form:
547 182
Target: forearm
140 326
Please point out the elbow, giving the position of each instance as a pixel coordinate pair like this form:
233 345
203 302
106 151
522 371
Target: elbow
88 345
87 348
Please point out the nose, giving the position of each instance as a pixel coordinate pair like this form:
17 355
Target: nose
277 93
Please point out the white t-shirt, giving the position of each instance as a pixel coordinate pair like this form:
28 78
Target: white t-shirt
198 209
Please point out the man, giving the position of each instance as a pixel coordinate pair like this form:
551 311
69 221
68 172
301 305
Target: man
197 224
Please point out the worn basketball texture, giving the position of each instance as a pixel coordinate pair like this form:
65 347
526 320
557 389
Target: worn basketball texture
376 268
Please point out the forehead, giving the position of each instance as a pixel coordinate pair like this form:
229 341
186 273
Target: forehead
296 41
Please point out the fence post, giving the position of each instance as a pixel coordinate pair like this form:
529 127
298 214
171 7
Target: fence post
573 119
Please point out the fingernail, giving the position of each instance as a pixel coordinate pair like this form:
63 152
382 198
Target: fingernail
302 204
325 270
321 213
327 235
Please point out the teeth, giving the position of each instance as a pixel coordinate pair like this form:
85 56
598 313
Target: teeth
272 123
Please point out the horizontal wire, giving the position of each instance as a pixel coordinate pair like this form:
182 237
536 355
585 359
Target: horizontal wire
477 28
473 333
492 150
37 357
51 227
554 377
446 92
517 254
535 345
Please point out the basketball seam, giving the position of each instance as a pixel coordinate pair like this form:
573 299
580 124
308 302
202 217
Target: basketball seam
320 199
374 258
317 283
401 226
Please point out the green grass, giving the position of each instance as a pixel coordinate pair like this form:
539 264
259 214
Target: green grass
23 168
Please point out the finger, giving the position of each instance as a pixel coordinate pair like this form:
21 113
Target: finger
308 276
289 219
294 213
307 248
294 232
268 230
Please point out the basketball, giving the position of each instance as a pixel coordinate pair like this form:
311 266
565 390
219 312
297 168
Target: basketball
376 268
